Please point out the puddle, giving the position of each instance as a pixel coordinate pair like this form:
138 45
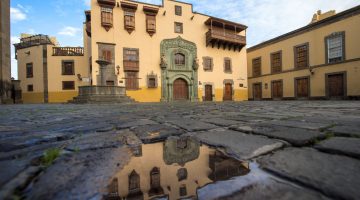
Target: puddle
175 169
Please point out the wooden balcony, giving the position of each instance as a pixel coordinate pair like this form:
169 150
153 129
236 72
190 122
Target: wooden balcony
225 34
131 65
226 40
68 51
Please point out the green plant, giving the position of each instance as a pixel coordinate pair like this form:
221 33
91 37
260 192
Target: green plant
49 156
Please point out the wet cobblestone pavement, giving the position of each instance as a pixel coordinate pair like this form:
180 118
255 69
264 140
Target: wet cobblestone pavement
297 149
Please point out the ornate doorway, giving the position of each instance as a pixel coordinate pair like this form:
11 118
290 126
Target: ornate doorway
180 88
179 70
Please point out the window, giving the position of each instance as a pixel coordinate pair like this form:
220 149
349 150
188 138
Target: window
68 85
132 80
151 24
276 62
29 70
256 63
178 27
107 55
182 190
179 59
106 17
335 50
152 83
152 80
110 83
178 10
301 56
68 68
129 21
30 88
227 65
208 63
131 59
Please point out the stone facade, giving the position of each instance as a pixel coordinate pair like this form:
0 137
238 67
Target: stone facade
5 63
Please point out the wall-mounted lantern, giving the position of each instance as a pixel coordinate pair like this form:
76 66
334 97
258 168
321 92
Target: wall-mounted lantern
118 69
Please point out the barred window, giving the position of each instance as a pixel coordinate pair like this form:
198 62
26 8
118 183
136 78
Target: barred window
256 63
208 63
227 65
178 10
335 48
276 62
301 56
30 88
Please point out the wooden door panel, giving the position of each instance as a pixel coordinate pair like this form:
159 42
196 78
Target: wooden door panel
228 92
277 91
336 85
180 90
302 88
257 91
208 93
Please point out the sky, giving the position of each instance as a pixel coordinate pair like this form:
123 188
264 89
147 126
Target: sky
266 19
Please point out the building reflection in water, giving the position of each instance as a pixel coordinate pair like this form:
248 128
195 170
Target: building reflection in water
172 170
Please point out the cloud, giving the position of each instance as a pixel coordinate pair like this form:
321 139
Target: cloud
87 3
16 14
69 31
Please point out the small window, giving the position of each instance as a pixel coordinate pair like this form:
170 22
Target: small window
110 83
178 10
276 63
179 59
301 56
106 17
30 88
29 70
134 182
178 27
68 85
227 65
256 63
68 68
335 48
208 63
183 191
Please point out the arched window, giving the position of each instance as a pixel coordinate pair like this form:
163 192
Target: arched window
134 182
179 59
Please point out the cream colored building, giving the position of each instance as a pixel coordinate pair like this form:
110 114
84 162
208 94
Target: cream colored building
168 52
50 73
158 53
318 61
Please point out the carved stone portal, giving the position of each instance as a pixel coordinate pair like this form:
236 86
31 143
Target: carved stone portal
171 71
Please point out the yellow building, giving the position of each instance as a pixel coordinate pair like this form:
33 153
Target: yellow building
48 72
157 52
318 61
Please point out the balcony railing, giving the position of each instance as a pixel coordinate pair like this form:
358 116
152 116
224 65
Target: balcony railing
68 51
225 36
131 65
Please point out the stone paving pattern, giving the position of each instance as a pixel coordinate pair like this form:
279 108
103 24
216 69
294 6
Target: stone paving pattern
311 149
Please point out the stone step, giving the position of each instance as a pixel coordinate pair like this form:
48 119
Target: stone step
101 99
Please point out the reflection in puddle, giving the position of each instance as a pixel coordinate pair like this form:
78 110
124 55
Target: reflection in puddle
175 169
